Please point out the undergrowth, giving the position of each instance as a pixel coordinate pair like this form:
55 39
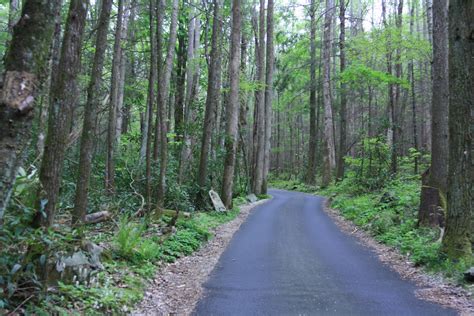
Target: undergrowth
135 249
390 215
386 207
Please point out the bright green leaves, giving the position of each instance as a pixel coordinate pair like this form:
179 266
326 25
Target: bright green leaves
357 74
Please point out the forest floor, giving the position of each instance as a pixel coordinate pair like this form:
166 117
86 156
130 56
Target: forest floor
177 286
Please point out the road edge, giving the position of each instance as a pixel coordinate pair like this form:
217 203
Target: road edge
432 288
177 287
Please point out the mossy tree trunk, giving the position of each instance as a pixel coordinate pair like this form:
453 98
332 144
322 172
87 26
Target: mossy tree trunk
25 69
458 237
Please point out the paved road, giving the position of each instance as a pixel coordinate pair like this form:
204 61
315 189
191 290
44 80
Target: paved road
289 258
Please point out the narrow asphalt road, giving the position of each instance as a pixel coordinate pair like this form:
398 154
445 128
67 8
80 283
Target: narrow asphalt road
289 258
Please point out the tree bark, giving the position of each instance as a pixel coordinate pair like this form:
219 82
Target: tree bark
329 142
268 96
150 104
52 73
396 91
343 107
164 81
259 113
159 66
90 115
457 240
213 97
438 172
232 106
64 96
24 74
180 82
192 72
13 11
311 170
114 100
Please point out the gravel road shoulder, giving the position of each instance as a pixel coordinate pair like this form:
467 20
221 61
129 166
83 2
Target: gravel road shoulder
433 287
177 287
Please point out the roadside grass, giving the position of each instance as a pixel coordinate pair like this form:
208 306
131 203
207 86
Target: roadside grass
136 253
389 214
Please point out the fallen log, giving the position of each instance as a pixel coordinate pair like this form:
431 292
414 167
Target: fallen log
97 217
173 213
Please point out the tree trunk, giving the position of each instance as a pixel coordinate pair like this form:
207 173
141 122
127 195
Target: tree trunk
259 113
150 104
396 104
164 82
438 172
342 109
213 96
391 90
192 72
311 170
159 66
329 142
180 82
114 99
53 71
128 68
457 240
90 114
13 12
24 74
411 69
268 96
232 106
64 96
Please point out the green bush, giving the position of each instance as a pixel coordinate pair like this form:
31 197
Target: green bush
390 215
149 250
128 237
371 169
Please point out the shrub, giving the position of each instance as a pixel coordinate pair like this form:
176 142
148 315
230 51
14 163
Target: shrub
128 237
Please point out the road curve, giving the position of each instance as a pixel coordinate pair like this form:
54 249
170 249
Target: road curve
289 258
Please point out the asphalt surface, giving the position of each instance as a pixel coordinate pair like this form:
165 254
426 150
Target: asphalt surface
289 258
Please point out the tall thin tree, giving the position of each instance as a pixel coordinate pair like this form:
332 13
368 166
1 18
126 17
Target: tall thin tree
329 141
268 95
343 106
311 170
150 103
114 100
232 106
90 114
259 112
64 96
164 82
213 94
